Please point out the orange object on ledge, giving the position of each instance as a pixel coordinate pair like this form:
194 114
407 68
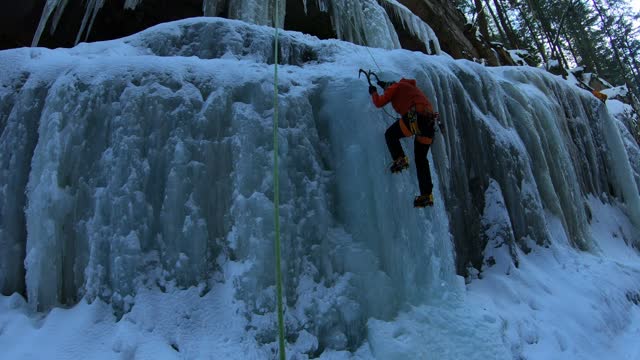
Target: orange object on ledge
599 95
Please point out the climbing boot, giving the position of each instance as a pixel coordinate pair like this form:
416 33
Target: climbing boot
423 201
399 164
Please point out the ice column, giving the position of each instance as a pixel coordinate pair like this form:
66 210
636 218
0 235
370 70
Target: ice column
131 4
90 15
621 168
212 7
92 8
363 22
258 12
49 7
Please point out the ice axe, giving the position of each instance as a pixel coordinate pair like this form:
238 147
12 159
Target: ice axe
368 74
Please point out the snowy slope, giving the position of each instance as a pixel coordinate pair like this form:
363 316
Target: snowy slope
136 189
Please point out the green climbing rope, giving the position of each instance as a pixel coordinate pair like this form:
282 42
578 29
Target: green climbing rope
276 191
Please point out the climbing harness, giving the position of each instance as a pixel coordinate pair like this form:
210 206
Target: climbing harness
276 192
412 115
412 118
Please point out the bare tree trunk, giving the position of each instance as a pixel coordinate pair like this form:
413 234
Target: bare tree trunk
517 43
537 13
571 50
633 64
636 66
532 30
564 59
481 20
616 51
513 41
503 37
558 31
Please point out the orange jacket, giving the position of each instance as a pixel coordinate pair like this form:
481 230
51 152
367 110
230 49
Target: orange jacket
402 96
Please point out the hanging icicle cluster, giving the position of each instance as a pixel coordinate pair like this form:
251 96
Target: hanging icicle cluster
364 22
92 8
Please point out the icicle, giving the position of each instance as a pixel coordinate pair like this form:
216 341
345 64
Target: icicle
58 15
48 9
132 4
414 25
349 20
260 13
360 22
96 8
322 5
212 7
379 36
92 10
618 164
89 16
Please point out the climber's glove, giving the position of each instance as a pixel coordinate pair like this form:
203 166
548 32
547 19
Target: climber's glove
385 84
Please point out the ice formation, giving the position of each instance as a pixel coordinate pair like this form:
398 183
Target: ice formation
146 163
416 26
49 7
92 9
363 22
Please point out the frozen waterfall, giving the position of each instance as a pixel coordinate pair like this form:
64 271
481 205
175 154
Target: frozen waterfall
146 163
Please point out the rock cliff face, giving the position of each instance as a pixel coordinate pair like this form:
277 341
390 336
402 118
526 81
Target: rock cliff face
448 23
19 23
457 38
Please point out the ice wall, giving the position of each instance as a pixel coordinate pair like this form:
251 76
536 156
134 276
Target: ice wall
146 162
545 144
148 166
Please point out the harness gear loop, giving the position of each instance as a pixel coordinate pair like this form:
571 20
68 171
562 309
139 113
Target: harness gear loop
412 117
417 114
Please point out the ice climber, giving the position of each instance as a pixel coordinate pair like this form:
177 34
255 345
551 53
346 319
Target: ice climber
418 119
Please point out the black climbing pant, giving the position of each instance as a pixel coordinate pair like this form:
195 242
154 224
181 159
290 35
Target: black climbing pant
393 135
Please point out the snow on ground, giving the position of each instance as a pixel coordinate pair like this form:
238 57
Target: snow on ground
171 325
564 304
558 304
518 56
617 107
616 91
